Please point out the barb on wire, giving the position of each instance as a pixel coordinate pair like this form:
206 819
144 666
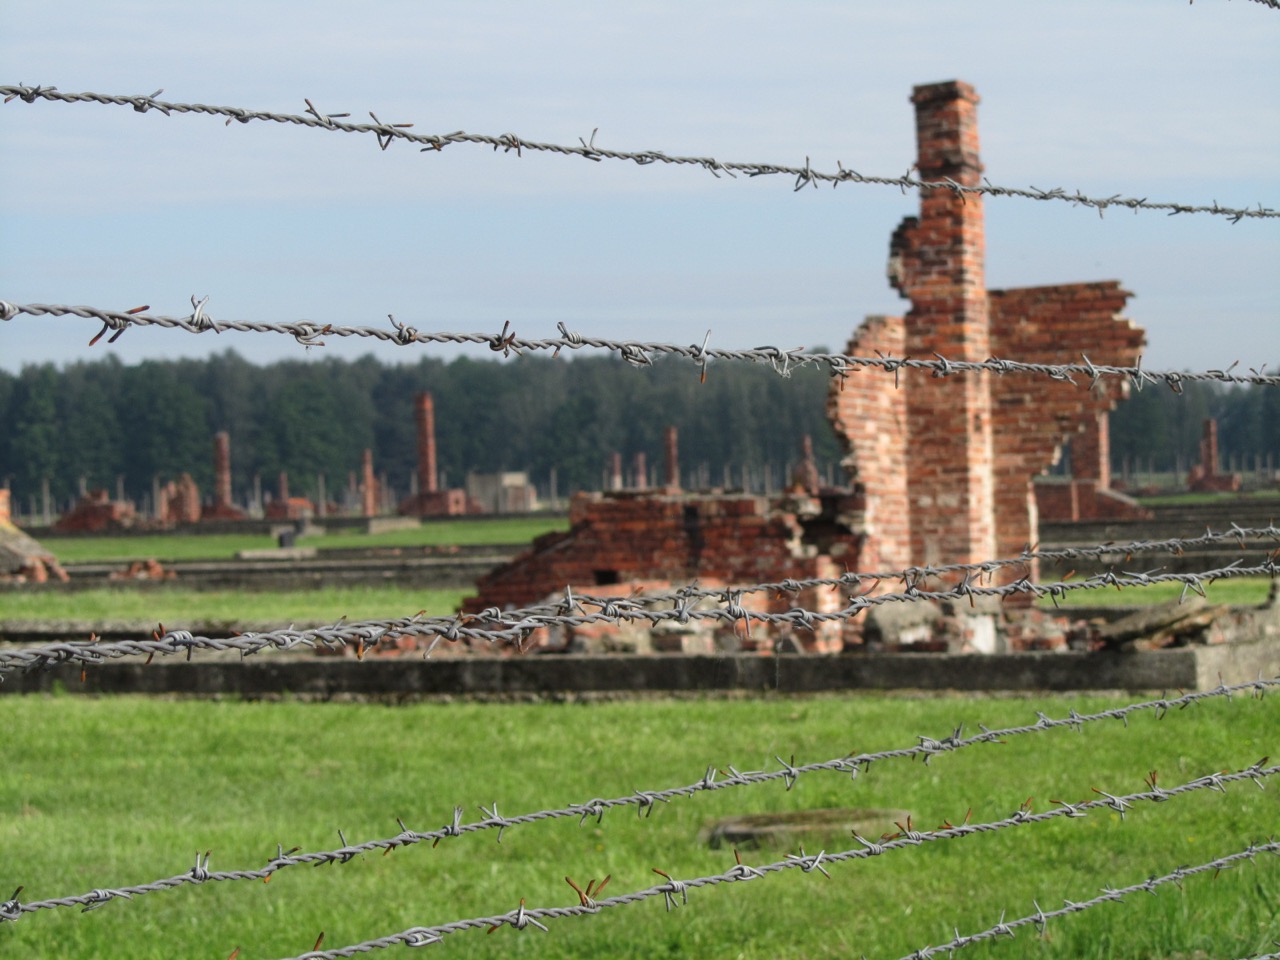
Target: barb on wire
853 765
385 134
1109 895
517 626
636 353
906 837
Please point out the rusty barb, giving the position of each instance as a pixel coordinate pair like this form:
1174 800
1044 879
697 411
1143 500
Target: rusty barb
853 765
386 133
637 353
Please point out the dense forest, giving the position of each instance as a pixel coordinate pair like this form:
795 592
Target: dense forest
103 420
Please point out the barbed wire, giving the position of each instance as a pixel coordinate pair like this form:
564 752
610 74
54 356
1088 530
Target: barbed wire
635 352
516 626
675 892
387 133
645 801
1108 895
368 634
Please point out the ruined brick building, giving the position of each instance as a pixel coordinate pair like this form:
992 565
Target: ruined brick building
941 469
946 464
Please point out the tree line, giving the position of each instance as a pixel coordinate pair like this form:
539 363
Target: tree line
102 420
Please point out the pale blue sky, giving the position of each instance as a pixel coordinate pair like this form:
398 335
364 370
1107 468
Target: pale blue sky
105 207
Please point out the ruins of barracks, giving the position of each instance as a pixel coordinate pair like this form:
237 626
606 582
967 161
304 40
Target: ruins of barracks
941 469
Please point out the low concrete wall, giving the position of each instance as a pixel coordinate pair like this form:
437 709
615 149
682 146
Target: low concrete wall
1185 668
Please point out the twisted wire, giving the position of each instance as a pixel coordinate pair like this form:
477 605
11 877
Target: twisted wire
516 626
645 801
387 133
1108 895
635 352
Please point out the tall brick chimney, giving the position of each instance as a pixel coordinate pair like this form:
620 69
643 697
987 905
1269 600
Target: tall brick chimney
426 443
937 260
615 471
673 458
221 469
283 489
641 471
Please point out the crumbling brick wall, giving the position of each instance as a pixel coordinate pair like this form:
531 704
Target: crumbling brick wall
867 412
1034 418
672 538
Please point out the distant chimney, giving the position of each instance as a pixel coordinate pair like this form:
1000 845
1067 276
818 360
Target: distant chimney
807 473
283 488
222 469
370 486
673 458
6 515
1209 447
615 471
426 443
641 469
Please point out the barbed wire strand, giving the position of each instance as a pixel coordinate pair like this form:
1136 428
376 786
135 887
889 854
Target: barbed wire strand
387 133
644 801
515 627
635 352
675 892
1108 895
368 634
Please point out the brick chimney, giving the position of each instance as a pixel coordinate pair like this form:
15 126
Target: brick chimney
426 443
221 469
369 487
673 458
937 260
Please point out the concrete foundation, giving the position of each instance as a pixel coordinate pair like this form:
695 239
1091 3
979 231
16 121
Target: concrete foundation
1186 668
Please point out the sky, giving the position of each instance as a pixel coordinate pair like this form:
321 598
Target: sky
107 207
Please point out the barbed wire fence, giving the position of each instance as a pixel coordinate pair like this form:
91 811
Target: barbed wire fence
388 133
687 604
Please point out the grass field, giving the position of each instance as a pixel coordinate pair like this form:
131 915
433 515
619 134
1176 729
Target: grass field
1244 591
105 792
181 605
219 546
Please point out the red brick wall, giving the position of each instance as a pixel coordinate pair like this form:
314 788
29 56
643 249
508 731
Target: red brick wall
870 416
644 537
1034 417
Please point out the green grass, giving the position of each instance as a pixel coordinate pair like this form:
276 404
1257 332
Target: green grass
1243 591
220 546
104 792
175 605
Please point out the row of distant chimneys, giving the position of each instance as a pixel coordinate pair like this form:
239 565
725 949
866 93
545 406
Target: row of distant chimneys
428 474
